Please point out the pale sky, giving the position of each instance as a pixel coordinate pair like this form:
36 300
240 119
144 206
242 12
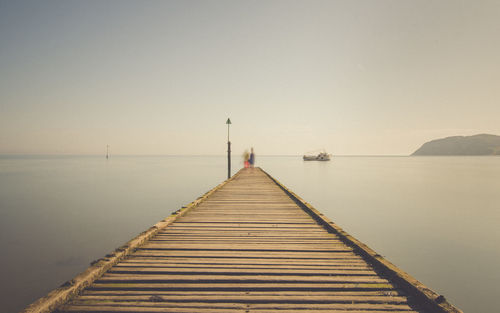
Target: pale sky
161 77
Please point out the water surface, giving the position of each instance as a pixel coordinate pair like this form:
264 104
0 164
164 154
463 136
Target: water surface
435 217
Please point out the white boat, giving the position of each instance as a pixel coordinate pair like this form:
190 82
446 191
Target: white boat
322 156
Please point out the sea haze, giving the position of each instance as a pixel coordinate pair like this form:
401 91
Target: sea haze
435 217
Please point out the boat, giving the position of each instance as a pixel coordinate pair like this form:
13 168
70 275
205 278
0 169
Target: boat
322 156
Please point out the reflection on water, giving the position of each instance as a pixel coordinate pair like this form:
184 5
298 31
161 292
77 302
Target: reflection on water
435 217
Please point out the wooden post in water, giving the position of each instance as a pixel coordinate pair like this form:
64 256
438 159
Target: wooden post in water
228 122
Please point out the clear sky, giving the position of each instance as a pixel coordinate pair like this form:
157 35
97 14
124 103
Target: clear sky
161 77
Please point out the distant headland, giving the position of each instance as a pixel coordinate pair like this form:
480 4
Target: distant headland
482 144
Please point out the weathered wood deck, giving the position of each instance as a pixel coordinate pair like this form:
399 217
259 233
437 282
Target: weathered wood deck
249 245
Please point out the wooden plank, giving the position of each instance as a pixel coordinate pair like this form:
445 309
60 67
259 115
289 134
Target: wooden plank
322 255
248 262
148 269
338 269
243 259
299 298
109 309
285 247
225 277
223 294
247 305
243 286
246 239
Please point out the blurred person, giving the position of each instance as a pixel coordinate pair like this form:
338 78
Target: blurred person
246 157
251 160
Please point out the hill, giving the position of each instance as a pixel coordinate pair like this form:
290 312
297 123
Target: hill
482 144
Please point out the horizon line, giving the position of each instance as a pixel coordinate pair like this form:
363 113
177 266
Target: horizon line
188 155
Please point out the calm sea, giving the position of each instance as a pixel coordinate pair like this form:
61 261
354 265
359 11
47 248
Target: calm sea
437 218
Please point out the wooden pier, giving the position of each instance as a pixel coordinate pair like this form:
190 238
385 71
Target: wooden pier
248 245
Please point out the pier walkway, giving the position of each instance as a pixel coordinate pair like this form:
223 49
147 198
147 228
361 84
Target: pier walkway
249 245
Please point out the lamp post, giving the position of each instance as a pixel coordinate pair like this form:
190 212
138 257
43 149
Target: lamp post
228 122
